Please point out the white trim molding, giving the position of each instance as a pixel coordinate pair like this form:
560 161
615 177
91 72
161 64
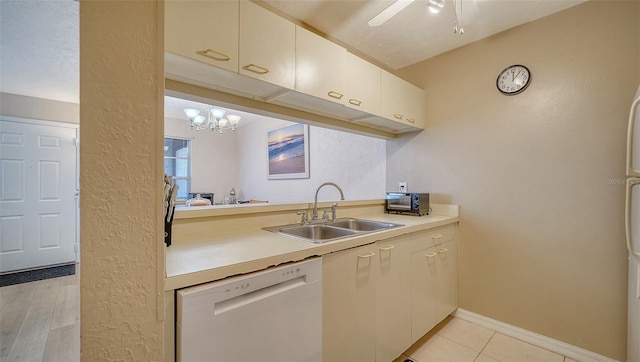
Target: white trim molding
536 339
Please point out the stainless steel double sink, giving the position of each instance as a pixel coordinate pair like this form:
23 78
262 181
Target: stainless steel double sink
331 230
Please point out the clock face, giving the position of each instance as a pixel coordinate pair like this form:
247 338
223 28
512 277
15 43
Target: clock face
513 80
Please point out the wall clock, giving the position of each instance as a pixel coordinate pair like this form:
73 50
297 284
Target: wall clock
513 79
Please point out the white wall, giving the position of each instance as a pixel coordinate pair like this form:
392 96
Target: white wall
356 163
213 157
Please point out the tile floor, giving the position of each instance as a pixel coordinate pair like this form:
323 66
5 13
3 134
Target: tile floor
458 340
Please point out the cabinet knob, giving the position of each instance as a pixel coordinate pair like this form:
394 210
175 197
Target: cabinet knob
210 53
398 116
256 68
411 120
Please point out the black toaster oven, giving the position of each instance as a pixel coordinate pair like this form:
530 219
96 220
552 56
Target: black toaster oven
407 203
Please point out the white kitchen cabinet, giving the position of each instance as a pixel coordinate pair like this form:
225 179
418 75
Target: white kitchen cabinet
379 299
227 45
434 287
320 67
393 302
348 304
401 101
267 45
205 31
362 85
447 292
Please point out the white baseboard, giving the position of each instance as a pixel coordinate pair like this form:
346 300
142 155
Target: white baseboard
536 339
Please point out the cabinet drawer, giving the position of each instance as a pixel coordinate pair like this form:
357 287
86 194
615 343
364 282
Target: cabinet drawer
442 234
433 237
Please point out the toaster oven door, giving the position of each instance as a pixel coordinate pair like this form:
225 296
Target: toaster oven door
400 202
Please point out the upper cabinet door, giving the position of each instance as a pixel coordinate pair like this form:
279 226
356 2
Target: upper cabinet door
401 101
267 45
320 67
363 85
206 31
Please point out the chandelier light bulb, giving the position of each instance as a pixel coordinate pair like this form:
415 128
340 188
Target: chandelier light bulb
198 120
191 112
217 113
233 119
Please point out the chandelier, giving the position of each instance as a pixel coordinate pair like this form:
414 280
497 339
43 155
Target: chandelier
214 120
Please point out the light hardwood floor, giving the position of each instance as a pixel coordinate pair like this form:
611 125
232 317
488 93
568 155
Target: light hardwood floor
40 321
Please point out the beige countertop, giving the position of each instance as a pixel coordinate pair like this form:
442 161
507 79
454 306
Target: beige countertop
233 252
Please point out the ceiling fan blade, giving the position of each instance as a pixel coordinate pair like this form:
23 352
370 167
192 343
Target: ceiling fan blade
389 12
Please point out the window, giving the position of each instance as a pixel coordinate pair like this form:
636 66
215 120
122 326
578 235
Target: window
177 163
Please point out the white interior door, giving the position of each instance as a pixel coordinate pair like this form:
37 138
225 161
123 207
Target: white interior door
38 205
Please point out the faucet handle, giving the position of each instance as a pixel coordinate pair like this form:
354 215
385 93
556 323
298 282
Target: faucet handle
333 211
304 219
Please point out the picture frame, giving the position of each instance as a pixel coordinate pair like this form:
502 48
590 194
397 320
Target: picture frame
288 152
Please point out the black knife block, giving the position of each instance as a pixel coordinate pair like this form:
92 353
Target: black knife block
167 228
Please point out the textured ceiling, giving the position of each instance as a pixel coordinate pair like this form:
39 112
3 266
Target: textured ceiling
39 54
414 34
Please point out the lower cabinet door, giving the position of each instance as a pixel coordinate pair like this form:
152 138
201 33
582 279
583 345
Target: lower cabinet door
349 310
447 290
393 290
424 284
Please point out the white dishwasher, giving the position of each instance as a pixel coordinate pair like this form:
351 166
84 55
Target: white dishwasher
270 315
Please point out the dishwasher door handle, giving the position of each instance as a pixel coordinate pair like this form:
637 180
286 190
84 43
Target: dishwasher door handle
256 295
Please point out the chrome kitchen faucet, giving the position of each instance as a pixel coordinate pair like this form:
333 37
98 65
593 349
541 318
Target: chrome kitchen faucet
333 208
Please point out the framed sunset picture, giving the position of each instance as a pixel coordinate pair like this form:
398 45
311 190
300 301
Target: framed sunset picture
288 152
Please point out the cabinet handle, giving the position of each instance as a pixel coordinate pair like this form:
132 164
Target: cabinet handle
334 94
355 102
387 248
397 115
255 68
431 255
436 236
411 120
210 53
366 255
443 250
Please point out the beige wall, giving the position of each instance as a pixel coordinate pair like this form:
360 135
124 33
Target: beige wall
16 105
121 92
538 175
